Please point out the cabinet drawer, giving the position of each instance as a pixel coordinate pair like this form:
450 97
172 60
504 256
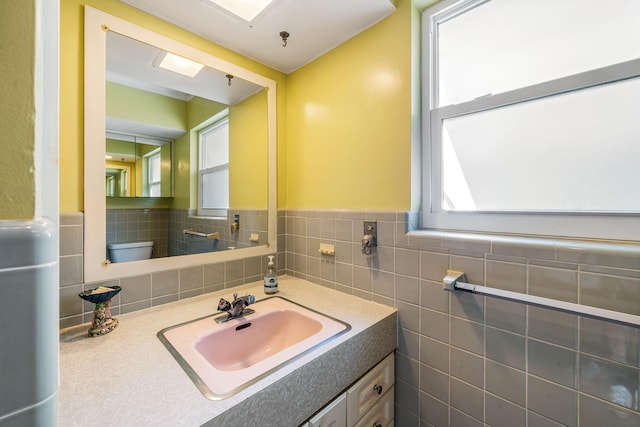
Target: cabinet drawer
368 390
381 414
333 415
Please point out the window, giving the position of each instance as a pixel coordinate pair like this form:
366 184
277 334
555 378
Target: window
213 173
530 114
153 173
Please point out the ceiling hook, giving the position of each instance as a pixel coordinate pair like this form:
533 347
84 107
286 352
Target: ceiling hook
284 35
229 76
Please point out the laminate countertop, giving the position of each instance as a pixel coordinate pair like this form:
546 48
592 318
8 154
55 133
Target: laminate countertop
128 377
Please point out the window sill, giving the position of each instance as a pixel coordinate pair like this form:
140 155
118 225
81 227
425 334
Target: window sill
604 253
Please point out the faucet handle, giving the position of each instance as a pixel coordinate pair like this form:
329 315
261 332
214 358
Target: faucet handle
224 305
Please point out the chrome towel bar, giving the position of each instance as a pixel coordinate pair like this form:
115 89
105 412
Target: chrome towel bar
214 235
456 280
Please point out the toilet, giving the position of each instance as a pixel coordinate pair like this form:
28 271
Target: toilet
130 251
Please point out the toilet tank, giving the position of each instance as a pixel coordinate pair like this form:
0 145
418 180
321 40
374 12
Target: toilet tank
129 251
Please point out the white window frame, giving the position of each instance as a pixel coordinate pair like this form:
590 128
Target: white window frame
582 225
148 158
220 211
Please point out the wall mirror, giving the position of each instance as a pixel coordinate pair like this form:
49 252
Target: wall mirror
151 130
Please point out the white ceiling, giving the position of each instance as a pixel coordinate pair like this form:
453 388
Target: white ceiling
130 63
315 26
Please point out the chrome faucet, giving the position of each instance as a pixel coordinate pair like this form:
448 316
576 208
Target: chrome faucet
236 308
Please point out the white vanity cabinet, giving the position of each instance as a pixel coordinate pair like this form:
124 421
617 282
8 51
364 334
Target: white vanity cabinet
367 403
380 414
332 415
367 392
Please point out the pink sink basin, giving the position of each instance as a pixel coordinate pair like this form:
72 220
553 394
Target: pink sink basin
224 358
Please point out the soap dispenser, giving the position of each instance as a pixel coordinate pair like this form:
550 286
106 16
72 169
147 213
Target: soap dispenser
270 278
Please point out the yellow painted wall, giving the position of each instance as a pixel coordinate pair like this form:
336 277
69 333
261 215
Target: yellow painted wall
344 120
145 107
17 109
200 110
71 84
349 122
248 153
185 153
119 146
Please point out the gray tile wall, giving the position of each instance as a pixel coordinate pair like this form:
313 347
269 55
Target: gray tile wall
136 225
468 360
165 227
462 359
148 290
252 221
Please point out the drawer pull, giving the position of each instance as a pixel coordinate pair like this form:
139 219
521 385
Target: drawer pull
377 425
378 389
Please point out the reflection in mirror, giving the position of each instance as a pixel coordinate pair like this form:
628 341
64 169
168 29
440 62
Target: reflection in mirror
160 184
147 102
137 166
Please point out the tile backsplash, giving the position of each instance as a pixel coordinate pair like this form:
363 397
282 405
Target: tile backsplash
463 359
140 292
469 360
165 227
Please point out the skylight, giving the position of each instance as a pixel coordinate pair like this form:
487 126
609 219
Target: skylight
180 65
245 9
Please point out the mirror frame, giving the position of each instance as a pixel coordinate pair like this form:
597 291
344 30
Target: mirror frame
96 267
